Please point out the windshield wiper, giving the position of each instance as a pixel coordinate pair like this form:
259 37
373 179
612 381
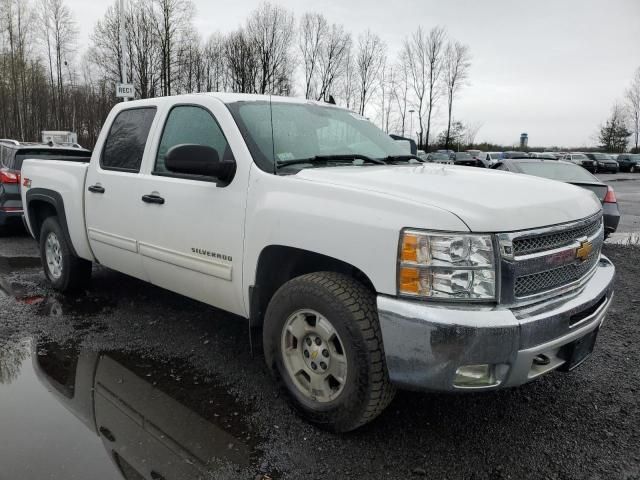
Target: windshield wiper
403 158
330 158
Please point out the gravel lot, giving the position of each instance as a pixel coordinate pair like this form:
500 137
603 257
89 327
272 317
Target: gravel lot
582 424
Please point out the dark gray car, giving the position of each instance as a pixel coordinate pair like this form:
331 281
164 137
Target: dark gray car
604 162
569 173
12 154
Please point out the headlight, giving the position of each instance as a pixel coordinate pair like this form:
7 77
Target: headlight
446 266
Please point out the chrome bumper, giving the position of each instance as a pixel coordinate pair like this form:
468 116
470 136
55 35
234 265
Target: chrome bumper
426 344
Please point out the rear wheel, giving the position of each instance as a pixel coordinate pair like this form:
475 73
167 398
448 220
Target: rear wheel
65 271
323 345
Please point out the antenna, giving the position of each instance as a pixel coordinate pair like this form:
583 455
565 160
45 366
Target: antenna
273 140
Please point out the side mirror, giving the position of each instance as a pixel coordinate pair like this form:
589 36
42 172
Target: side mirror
202 160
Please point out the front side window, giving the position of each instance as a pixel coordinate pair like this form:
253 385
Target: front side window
127 138
188 124
282 131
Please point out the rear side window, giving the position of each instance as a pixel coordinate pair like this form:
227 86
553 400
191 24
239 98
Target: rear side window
127 138
188 124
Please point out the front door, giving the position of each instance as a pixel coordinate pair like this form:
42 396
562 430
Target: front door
191 240
111 200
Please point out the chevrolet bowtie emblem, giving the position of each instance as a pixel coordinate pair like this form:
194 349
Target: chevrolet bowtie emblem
584 250
314 355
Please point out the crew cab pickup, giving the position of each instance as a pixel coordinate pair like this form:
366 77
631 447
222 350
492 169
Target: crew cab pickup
366 268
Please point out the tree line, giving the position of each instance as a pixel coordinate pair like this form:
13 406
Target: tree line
623 124
49 81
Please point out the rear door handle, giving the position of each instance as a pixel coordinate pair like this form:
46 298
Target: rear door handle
157 199
96 189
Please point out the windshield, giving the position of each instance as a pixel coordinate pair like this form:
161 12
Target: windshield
564 172
634 157
285 132
601 156
579 156
463 156
439 156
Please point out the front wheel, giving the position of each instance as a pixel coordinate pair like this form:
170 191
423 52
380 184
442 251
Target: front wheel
633 169
323 345
65 271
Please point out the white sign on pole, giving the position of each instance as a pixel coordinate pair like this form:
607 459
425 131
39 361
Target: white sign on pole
125 90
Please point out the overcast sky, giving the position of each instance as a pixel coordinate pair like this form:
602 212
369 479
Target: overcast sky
551 68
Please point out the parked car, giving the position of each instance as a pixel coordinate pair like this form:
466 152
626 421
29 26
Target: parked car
629 162
12 154
543 156
582 160
493 157
423 155
515 154
604 163
436 157
570 173
366 271
465 159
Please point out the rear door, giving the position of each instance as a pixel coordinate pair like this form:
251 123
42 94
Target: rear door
192 242
111 201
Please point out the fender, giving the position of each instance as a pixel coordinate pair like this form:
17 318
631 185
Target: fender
55 200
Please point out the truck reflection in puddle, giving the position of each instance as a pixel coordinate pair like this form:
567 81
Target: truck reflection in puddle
156 420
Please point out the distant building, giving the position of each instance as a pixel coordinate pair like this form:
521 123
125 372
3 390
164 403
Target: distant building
524 140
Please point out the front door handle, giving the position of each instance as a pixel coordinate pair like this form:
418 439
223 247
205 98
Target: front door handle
157 199
96 189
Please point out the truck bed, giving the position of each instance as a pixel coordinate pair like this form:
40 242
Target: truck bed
61 180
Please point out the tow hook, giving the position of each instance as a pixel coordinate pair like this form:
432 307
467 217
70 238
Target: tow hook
541 360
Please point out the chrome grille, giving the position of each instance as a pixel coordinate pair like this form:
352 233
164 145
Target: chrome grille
557 277
540 243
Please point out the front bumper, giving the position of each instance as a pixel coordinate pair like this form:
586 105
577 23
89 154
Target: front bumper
425 344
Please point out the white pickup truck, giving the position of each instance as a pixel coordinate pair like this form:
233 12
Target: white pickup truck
367 269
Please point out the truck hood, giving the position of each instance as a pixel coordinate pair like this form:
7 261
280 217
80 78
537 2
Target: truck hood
485 200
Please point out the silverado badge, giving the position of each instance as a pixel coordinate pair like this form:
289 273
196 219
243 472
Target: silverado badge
584 250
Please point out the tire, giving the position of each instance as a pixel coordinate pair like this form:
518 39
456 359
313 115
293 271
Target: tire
65 271
350 309
633 169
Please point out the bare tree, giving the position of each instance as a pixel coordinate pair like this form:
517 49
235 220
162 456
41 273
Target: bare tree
456 72
334 56
313 32
424 54
144 49
400 91
61 32
370 58
632 96
348 86
242 62
471 130
270 30
16 19
215 65
174 18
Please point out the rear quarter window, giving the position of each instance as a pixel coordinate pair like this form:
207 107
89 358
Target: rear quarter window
127 139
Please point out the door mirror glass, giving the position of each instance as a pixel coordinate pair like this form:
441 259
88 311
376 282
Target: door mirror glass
190 159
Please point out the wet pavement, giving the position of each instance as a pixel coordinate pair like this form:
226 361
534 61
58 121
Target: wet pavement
126 380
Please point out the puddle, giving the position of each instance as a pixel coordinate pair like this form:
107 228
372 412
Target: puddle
632 238
12 264
118 415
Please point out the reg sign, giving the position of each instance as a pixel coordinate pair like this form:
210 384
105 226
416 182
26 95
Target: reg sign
125 90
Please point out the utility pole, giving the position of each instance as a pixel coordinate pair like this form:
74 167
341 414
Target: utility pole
122 46
411 128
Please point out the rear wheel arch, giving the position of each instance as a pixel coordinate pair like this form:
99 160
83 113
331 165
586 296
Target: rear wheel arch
43 203
277 264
